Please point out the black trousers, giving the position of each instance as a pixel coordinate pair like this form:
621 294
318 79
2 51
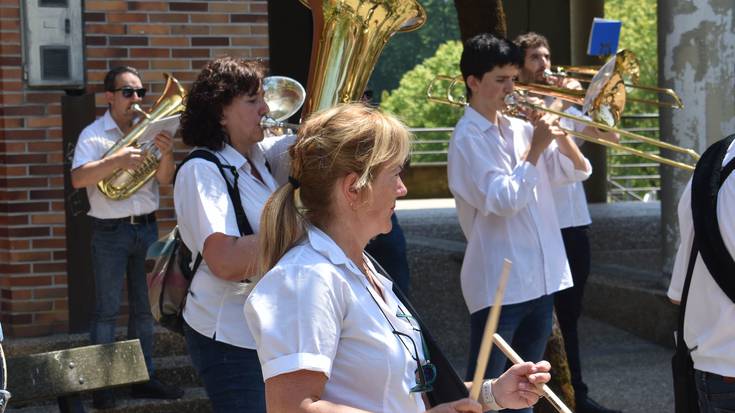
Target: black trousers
568 302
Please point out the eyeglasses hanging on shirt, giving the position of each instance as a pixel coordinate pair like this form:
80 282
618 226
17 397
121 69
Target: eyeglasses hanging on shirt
425 372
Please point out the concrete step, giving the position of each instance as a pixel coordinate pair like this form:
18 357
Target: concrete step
194 400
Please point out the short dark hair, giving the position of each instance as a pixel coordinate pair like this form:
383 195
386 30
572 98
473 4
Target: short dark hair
112 75
484 52
221 81
531 40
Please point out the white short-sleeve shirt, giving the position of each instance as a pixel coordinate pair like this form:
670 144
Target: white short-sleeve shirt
203 207
506 209
94 141
315 310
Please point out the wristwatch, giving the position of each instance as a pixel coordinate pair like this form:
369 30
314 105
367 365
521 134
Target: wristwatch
486 395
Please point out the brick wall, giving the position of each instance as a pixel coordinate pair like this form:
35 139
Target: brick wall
155 37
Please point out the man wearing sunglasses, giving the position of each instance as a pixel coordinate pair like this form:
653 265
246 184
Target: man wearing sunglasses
123 229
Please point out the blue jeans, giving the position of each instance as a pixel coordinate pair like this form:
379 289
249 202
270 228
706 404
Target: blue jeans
118 248
525 326
716 393
231 375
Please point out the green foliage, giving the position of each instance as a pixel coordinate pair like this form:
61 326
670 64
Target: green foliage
405 50
409 101
638 34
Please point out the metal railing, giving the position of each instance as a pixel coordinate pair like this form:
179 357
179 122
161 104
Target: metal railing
628 177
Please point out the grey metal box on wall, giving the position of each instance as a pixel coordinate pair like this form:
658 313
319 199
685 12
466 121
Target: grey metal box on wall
53 43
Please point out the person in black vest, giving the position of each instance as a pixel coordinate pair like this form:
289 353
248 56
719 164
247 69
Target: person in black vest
709 303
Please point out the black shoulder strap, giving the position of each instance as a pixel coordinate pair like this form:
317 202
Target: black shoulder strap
709 176
447 386
232 189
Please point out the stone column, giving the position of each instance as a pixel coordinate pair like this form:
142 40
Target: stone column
696 49
581 13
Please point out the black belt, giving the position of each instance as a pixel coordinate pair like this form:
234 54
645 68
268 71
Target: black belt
134 219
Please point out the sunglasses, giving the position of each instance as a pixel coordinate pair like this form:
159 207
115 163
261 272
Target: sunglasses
128 91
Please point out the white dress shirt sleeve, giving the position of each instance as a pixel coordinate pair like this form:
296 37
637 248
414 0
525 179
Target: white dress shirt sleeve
295 314
275 150
481 180
561 169
203 203
86 150
686 235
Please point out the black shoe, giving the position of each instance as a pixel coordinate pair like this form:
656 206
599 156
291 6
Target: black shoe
155 389
103 399
588 405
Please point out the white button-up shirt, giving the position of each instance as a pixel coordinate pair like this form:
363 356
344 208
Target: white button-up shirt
709 320
570 199
203 207
506 210
315 310
94 141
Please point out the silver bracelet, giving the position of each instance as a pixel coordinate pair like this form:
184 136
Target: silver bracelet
487 397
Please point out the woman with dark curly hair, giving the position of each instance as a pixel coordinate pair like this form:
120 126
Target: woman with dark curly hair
223 113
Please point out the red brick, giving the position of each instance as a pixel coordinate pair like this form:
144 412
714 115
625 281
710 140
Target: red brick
26 134
14 220
150 52
128 41
10 13
189 6
13 195
147 5
29 256
28 232
190 53
96 64
10 123
94 17
61 279
41 280
95 40
105 5
49 243
61 304
29 110
16 294
46 219
43 146
16 318
181 29
140 64
48 194
27 306
10 60
13 269
26 207
56 267
43 97
126 17
45 170
24 182
169 18
210 18
235 7
149 29
261 7
210 41
25 159
107 52
248 18
51 317
103 29
250 41
49 292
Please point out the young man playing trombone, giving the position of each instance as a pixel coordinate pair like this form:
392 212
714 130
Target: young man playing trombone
572 213
500 171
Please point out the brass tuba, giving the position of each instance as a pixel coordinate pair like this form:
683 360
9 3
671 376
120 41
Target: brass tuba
124 182
347 40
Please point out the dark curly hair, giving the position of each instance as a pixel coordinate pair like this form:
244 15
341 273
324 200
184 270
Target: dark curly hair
221 81
531 40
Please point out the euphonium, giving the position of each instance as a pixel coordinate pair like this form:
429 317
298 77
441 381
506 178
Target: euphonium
347 40
124 182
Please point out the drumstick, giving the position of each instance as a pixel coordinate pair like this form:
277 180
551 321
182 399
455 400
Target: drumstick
516 359
487 337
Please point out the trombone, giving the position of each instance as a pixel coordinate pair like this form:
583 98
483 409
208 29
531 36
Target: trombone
605 108
627 64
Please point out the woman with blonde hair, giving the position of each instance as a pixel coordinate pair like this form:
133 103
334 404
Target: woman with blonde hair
331 334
